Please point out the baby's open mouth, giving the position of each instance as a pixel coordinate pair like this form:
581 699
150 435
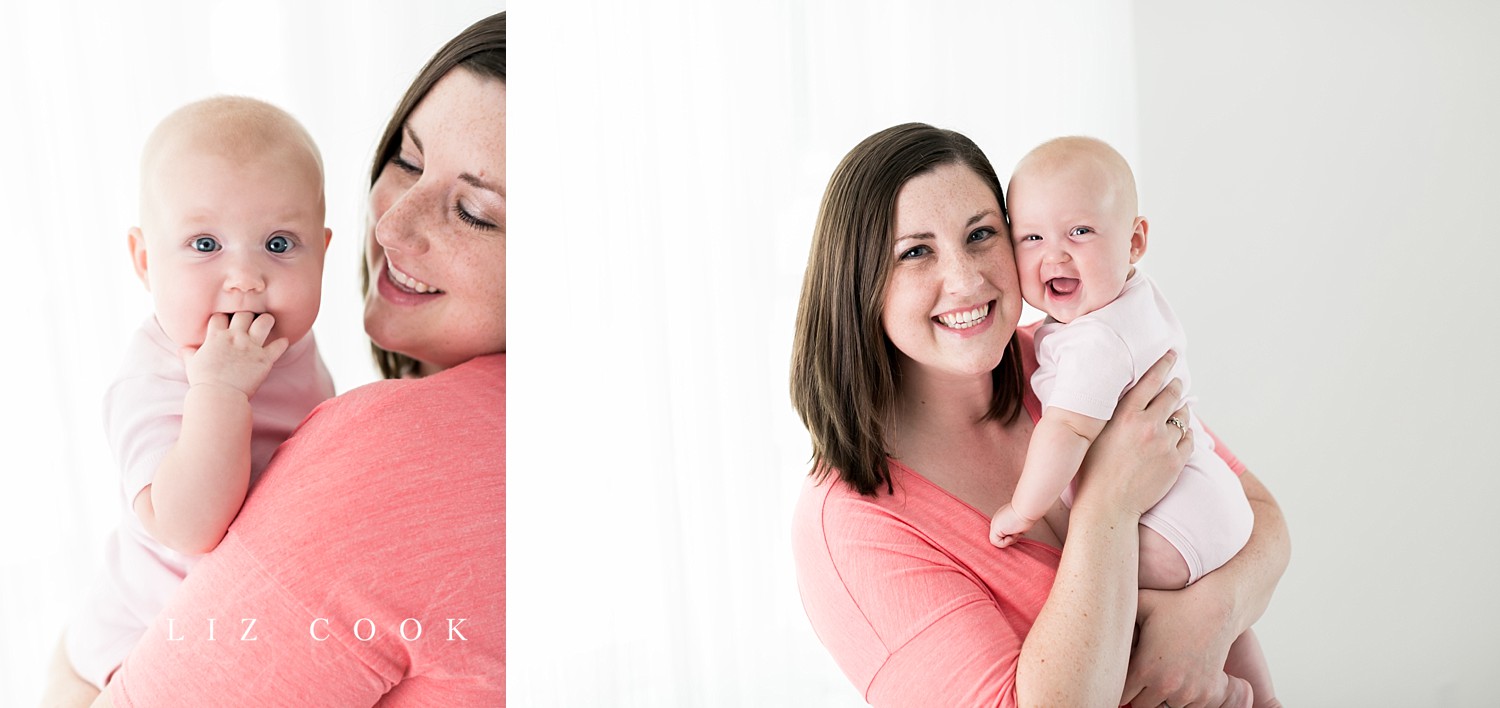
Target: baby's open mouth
967 318
1062 287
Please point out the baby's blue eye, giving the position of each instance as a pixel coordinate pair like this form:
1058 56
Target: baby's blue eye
205 244
279 244
1081 230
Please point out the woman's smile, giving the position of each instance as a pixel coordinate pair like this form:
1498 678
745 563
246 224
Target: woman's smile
406 281
393 288
967 321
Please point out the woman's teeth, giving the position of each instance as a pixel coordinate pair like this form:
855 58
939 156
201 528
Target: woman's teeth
407 281
965 320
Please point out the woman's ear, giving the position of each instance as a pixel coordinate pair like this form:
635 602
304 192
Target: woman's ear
138 255
1138 239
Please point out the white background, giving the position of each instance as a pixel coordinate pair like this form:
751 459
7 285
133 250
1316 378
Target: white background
1320 179
83 83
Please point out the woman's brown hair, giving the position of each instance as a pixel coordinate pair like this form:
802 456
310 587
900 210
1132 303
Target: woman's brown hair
844 368
480 49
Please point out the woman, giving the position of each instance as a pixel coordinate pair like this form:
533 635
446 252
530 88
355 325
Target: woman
367 567
918 436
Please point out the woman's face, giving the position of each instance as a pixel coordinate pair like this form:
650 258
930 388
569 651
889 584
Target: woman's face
436 253
953 299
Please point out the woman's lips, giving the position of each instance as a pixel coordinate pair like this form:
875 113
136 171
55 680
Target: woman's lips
399 293
964 319
967 322
406 281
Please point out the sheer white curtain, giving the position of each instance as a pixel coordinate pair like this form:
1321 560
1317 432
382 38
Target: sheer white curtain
82 84
673 161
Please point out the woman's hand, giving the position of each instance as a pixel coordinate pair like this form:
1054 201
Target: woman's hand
1180 652
1139 455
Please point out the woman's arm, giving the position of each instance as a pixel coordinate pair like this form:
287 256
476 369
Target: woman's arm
1078 650
1185 634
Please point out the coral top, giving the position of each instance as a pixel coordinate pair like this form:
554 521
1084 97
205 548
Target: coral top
909 596
367 567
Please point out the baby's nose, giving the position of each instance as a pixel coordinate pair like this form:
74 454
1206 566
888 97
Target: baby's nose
244 278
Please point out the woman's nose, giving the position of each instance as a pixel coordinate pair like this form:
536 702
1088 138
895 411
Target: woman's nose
404 224
961 273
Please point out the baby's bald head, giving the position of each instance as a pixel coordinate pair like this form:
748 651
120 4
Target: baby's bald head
1090 163
234 128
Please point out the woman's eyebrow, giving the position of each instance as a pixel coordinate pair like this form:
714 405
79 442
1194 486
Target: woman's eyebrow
477 182
980 216
413 135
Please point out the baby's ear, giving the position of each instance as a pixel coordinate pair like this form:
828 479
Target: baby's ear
1138 239
327 237
138 254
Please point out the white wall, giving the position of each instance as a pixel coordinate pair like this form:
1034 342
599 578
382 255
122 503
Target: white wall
1322 180
82 85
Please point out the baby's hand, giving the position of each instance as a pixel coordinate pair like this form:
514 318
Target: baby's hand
1007 526
234 352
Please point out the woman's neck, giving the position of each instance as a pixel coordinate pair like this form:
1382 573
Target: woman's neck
940 431
933 404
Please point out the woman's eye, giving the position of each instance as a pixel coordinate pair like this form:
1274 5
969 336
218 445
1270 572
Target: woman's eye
474 221
981 234
205 244
1080 231
914 252
279 244
405 165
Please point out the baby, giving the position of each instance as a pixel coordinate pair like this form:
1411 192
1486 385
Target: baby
230 245
1077 237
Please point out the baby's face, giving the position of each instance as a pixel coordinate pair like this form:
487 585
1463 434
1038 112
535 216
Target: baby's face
1075 242
222 235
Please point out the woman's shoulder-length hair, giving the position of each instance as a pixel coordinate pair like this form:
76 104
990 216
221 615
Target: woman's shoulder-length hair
844 368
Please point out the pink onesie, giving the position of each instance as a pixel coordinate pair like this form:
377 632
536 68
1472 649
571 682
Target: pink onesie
1085 365
907 593
142 419
368 568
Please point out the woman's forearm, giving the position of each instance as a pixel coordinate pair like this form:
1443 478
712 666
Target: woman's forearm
1079 648
1078 651
1249 579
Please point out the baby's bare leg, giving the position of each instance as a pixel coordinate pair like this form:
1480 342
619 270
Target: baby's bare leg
1162 565
1248 662
65 688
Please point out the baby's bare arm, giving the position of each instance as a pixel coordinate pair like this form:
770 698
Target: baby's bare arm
1057 448
201 483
